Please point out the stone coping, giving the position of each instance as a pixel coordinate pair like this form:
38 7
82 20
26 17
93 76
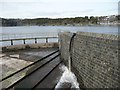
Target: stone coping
97 35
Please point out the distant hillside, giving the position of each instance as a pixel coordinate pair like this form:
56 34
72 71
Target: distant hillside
61 21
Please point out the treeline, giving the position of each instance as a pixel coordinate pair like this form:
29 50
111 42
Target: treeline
60 21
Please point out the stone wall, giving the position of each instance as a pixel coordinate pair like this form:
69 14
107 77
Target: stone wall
94 58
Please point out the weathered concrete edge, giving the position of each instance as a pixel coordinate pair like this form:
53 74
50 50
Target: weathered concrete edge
97 35
29 46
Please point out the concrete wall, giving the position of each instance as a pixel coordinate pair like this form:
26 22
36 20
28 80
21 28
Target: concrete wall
94 59
29 46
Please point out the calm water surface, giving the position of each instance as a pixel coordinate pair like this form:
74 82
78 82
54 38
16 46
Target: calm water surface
40 31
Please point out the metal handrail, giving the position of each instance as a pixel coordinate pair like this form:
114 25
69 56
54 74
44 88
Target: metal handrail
24 39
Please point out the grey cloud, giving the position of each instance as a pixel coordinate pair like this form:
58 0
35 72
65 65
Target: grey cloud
46 14
87 10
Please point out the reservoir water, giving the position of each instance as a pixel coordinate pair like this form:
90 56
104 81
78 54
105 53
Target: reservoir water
43 31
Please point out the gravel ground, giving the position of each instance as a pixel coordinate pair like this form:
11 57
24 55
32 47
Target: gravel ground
10 65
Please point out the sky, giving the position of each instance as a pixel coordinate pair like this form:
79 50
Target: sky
57 8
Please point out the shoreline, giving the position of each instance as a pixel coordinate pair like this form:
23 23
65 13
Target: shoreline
67 25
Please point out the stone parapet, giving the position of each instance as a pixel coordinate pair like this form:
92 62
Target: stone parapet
94 58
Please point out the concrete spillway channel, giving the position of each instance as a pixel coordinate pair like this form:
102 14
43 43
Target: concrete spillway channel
43 74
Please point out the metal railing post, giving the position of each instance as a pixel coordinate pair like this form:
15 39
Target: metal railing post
46 40
35 40
24 41
11 42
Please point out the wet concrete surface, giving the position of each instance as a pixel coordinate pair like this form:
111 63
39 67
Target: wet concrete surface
37 76
52 79
29 54
33 55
